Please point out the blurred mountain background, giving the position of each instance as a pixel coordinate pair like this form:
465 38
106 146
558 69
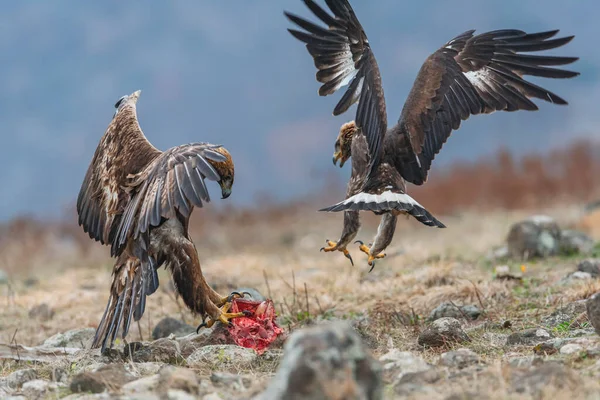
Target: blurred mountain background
229 73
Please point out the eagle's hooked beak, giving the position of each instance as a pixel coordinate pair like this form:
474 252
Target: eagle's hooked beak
336 156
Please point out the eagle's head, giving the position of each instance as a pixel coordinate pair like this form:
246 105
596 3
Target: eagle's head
343 144
127 99
226 170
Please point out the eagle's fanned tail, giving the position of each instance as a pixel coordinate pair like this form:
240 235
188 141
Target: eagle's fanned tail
385 202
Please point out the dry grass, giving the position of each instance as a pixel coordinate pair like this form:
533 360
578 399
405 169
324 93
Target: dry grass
274 249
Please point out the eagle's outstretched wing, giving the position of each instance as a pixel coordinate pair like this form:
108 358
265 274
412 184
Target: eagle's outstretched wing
467 76
102 197
343 56
172 182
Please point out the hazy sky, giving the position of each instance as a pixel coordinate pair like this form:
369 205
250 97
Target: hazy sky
229 73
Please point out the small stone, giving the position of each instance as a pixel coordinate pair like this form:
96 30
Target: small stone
565 314
495 339
177 378
162 350
175 394
168 326
398 363
251 293
544 378
593 311
76 338
575 242
42 312
571 348
327 361
35 389
591 266
212 396
537 236
16 379
447 309
111 376
460 358
221 354
141 388
417 382
234 381
576 276
441 332
529 337
143 368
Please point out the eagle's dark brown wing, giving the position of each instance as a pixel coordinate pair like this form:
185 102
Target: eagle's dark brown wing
467 76
102 197
172 182
343 56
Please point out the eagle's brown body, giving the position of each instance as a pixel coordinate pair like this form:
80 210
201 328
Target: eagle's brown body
138 200
469 75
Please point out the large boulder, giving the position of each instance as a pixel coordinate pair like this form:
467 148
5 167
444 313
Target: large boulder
327 361
537 236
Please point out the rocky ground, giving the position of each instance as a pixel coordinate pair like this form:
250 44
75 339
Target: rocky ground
469 312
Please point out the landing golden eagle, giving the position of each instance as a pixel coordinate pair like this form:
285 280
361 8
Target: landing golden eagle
138 200
469 75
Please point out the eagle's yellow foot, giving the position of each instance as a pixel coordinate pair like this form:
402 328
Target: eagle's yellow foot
367 251
224 316
229 299
332 246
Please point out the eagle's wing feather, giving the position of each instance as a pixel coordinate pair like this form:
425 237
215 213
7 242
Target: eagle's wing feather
343 56
102 197
471 75
172 182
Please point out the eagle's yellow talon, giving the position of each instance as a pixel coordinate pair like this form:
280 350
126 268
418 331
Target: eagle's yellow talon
367 251
332 246
225 316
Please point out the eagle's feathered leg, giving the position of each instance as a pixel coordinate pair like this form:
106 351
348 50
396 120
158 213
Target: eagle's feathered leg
383 238
351 227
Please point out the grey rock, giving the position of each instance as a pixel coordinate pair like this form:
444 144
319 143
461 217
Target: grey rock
414 383
537 236
212 396
593 311
143 368
447 309
324 362
109 377
42 312
529 337
398 363
16 379
176 394
168 326
221 354
441 332
162 350
544 379
460 358
142 388
495 339
565 314
574 277
575 242
35 389
571 348
251 293
179 379
234 381
591 266
76 338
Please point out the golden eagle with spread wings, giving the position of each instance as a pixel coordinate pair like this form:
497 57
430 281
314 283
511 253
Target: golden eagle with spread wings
469 75
138 200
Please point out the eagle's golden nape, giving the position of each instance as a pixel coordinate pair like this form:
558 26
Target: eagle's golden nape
138 200
343 143
469 75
